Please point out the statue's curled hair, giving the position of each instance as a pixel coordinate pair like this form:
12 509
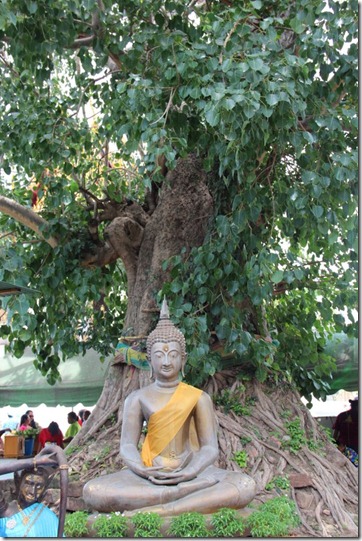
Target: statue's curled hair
166 331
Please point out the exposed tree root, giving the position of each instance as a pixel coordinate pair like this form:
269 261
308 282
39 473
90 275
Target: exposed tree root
302 518
329 480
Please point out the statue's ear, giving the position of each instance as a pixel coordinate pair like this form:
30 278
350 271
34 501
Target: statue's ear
183 365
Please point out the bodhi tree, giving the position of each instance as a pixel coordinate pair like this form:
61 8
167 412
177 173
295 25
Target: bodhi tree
206 151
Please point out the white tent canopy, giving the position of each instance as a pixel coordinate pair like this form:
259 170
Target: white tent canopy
82 380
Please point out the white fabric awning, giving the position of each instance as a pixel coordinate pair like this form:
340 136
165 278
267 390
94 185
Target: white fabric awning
82 380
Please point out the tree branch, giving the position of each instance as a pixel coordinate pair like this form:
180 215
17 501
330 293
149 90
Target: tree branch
26 217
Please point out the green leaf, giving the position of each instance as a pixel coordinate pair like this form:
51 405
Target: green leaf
257 4
317 211
176 287
228 104
297 25
339 319
272 99
261 374
32 7
212 117
277 276
256 64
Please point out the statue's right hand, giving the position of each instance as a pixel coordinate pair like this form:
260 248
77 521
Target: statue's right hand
143 471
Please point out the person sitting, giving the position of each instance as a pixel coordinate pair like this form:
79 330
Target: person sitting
52 434
80 417
24 422
73 429
33 423
86 415
174 473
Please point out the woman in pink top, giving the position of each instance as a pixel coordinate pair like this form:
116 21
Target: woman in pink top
24 422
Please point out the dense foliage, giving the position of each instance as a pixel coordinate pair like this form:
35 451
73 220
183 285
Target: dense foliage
95 94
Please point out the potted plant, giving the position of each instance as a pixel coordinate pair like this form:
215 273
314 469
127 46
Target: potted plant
29 437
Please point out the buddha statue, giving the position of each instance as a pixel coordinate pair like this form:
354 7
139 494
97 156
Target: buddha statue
174 472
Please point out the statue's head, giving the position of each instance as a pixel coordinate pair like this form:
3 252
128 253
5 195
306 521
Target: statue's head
31 485
166 332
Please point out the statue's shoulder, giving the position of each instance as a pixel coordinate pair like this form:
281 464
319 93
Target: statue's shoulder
135 396
201 391
205 397
204 402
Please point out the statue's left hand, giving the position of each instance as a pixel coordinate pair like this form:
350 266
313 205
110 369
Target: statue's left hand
172 477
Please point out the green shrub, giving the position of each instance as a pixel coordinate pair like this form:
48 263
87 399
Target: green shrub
274 518
75 524
231 402
226 523
284 508
189 525
147 525
266 524
296 435
111 525
279 482
241 458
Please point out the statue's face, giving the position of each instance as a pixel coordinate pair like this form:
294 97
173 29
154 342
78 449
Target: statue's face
166 360
32 488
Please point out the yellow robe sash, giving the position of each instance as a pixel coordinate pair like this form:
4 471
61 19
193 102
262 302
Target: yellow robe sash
164 424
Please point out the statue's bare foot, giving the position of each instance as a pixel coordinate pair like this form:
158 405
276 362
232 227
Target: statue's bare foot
192 486
159 509
174 493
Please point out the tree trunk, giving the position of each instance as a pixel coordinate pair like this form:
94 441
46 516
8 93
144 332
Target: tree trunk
180 220
323 482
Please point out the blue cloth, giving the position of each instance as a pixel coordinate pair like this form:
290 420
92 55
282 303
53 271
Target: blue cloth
351 455
42 523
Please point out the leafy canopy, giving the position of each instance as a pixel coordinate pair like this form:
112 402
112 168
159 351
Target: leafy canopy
265 92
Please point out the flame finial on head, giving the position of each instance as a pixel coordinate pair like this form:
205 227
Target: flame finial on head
165 313
165 331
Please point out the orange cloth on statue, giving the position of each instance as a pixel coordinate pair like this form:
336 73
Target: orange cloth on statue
164 424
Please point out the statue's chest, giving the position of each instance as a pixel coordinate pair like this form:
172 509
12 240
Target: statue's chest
151 405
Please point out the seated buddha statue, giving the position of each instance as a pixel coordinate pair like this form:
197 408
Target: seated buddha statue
174 472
